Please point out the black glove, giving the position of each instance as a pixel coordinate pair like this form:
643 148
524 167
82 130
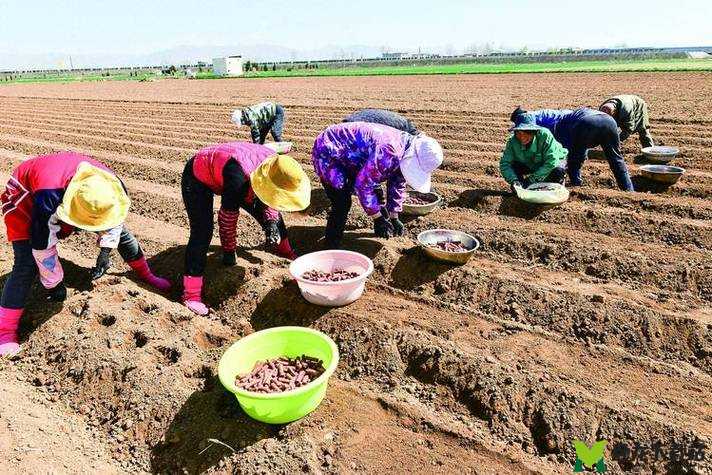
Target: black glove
398 227
272 233
58 293
382 227
526 182
102 263
228 258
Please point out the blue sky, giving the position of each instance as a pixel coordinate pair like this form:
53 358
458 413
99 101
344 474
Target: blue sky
129 26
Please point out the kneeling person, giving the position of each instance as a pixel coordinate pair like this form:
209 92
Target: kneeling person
532 155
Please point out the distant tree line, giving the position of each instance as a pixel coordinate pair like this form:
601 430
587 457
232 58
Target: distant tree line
251 66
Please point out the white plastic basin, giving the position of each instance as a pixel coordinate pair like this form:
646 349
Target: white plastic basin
280 147
543 193
332 294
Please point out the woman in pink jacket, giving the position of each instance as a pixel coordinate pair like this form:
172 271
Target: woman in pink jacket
229 170
45 200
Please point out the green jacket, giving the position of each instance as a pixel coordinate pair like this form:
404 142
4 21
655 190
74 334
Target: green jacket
631 113
260 118
542 155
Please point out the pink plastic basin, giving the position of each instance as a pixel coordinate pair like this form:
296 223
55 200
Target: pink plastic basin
332 294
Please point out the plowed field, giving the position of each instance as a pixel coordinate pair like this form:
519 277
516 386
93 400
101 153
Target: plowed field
592 320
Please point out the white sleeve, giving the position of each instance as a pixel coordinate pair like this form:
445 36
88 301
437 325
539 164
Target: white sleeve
54 228
111 237
237 117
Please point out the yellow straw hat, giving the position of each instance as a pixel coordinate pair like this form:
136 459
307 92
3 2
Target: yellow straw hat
94 200
280 183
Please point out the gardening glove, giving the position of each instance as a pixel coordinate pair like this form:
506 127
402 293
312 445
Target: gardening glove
228 258
272 233
57 293
382 227
398 226
103 262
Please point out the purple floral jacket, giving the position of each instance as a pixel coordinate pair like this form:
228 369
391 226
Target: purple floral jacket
359 156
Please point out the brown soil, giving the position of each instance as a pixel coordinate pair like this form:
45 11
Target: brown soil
590 320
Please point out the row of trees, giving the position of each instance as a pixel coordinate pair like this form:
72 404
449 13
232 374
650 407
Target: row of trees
253 66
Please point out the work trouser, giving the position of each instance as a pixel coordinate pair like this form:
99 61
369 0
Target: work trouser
23 274
592 131
24 269
276 127
198 200
129 248
338 214
556 175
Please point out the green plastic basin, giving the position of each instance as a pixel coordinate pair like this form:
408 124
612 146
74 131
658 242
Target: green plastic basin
288 406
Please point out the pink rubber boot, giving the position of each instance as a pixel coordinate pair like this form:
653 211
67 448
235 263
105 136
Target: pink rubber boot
9 321
144 272
284 249
192 287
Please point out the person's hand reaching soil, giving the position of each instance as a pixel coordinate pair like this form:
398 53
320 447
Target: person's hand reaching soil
57 293
103 263
398 226
272 234
382 227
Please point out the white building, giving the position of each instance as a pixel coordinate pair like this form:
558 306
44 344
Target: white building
228 66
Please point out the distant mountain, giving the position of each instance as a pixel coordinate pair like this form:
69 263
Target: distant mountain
181 55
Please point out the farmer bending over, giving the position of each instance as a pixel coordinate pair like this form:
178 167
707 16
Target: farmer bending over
383 117
532 155
355 157
45 200
547 118
579 130
262 119
631 114
248 176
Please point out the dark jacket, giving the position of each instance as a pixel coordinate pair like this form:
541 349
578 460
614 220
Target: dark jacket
631 113
262 118
383 117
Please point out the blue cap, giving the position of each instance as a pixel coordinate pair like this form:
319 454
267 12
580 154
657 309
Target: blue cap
526 122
